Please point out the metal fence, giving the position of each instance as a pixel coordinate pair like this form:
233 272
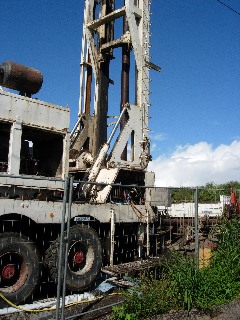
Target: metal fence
188 224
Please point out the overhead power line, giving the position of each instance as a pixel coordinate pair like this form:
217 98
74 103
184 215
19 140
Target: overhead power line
228 7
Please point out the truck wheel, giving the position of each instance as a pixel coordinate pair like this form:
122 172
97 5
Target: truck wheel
84 257
19 268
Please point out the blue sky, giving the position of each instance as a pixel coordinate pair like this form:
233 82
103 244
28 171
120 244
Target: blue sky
195 99
197 43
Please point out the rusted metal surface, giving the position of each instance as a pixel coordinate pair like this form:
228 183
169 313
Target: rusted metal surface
125 80
105 35
188 221
15 270
132 266
88 86
21 78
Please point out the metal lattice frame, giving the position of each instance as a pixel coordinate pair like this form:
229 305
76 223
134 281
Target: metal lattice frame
137 15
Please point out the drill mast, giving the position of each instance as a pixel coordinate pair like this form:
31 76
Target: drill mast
101 23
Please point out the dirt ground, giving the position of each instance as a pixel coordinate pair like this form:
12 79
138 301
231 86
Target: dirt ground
225 312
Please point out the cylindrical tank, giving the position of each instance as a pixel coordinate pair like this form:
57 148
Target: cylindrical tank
18 77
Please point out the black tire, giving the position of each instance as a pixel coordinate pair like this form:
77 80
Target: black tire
84 258
19 268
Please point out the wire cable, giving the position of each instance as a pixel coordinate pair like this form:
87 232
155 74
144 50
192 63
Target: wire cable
228 6
54 308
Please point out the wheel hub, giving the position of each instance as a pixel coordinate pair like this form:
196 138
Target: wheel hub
8 271
78 257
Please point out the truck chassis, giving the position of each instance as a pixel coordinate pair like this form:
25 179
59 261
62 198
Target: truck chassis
112 202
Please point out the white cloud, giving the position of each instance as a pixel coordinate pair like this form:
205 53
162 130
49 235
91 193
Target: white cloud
158 136
197 164
154 146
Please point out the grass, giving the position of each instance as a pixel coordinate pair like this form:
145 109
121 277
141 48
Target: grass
179 286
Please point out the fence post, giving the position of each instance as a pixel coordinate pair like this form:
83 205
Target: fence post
60 264
112 236
196 230
66 241
148 236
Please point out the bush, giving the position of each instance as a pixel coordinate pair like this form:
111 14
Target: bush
220 282
182 276
149 298
180 286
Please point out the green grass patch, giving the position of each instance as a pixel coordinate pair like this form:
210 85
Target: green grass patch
179 286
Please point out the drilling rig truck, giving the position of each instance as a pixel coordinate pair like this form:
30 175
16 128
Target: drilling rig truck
98 170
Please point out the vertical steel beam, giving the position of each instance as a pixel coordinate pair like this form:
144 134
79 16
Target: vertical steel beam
113 221
105 35
148 235
15 147
125 79
88 86
141 232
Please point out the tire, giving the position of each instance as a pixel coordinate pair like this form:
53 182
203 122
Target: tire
19 268
84 258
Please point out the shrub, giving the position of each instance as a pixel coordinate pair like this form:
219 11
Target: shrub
149 298
220 282
180 286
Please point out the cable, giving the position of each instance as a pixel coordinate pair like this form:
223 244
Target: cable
228 6
23 309
87 312
54 308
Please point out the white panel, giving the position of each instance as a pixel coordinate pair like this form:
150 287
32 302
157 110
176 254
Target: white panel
158 196
31 182
33 112
106 176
